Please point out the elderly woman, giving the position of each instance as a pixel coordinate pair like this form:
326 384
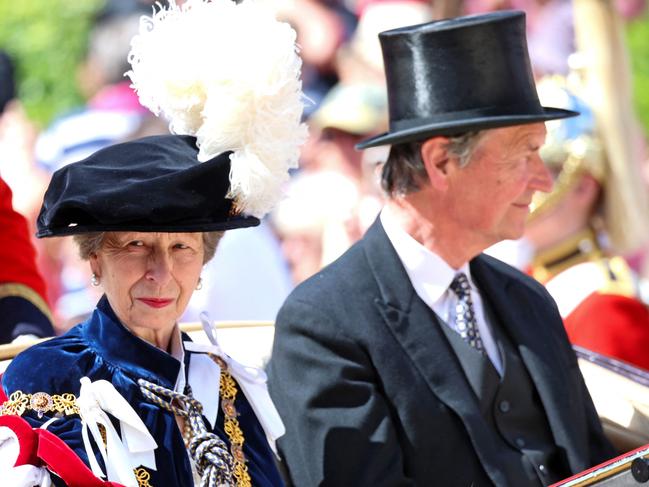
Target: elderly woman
125 396
126 390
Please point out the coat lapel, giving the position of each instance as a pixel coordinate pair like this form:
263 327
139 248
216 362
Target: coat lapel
417 329
526 324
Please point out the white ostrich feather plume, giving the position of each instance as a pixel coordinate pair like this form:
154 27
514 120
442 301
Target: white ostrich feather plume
228 74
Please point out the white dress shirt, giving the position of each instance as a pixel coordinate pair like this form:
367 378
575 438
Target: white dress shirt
431 277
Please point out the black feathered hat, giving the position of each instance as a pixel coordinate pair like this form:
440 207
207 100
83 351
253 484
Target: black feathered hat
452 76
245 130
154 184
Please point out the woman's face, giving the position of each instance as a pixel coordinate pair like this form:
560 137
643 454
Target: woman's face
148 278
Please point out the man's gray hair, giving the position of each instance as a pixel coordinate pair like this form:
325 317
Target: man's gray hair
404 170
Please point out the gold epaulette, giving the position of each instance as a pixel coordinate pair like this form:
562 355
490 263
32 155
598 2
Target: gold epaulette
581 247
15 289
41 403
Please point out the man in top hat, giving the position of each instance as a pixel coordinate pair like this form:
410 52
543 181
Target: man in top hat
414 359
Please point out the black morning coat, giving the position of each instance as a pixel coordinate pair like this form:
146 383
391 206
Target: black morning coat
372 394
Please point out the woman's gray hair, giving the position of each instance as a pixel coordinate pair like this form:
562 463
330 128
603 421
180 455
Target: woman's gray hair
91 243
404 170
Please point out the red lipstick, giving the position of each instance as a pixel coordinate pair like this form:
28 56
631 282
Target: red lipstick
156 302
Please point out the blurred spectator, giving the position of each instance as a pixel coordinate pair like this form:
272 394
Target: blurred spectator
312 221
24 311
315 228
347 114
321 28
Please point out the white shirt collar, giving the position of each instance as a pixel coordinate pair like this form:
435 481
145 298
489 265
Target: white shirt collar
431 277
177 351
429 274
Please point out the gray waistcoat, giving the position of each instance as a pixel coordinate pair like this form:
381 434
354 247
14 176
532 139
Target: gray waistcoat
513 411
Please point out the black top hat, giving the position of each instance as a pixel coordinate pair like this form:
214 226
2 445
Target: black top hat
453 76
154 184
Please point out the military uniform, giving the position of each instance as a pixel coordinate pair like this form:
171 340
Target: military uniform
598 298
23 303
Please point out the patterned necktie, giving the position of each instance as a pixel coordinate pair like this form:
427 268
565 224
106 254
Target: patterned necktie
465 322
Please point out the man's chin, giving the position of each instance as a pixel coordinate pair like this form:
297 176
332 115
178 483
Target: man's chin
513 233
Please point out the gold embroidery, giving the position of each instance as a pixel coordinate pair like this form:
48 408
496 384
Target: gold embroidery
40 402
102 433
228 393
66 404
142 477
16 404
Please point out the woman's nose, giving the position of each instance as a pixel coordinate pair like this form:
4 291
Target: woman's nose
159 268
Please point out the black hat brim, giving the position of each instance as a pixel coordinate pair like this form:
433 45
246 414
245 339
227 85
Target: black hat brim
423 131
231 224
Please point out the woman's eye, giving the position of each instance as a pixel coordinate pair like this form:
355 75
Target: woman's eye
136 243
181 246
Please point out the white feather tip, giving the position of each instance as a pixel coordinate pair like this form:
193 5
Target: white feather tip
228 74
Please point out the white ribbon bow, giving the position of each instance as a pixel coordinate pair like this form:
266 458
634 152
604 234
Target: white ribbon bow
251 379
121 456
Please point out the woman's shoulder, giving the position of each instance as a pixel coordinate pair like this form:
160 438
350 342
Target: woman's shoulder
54 365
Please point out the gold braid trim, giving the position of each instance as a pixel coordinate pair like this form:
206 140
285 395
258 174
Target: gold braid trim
142 477
14 289
228 393
40 402
576 249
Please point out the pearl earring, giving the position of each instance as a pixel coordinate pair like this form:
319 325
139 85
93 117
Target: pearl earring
94 280
199 286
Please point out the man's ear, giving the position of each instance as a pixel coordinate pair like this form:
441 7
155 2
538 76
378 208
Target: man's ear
434 155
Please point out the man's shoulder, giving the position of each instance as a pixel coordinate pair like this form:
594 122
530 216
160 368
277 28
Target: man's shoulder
343 289
505 271
349 270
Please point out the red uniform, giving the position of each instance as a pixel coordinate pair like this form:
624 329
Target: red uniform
613 325
601 309
23 305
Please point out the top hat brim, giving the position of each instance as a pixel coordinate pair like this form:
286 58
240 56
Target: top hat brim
422 131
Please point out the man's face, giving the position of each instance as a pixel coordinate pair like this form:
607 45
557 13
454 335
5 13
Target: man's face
490 197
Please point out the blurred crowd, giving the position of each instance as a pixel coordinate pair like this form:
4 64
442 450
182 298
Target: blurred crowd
334 196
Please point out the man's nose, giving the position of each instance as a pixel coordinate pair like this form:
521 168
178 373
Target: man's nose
542 179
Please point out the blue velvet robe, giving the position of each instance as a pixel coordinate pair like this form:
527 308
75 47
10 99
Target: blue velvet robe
101 348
